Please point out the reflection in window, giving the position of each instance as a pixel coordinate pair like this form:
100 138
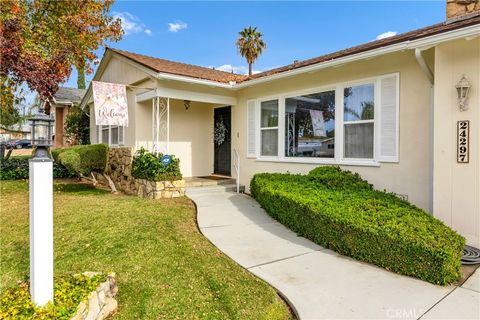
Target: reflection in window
310 125
358 118
269 128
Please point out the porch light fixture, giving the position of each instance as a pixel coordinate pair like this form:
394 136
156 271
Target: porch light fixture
41 126
463 89
186 104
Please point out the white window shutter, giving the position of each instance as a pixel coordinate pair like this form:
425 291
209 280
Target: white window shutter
120 135
389 119
251 128
98 132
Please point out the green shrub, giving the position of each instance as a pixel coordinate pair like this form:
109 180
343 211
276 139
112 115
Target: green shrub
69 291
83 159
17 168
150 167
327 207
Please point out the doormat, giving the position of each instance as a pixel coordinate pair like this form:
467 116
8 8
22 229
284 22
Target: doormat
215 178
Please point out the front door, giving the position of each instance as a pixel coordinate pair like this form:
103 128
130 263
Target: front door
222 140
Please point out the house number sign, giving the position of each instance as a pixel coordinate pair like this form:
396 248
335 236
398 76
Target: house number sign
463 136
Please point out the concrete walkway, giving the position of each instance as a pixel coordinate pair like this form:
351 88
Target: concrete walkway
317 282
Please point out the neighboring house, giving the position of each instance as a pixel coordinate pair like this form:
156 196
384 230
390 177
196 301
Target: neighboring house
16 132
389 106
63 100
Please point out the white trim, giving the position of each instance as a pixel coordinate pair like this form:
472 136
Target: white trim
466 32
410 44
255 125
186 95
321 161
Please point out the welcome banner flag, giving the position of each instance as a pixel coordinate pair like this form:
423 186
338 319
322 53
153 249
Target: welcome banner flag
110 101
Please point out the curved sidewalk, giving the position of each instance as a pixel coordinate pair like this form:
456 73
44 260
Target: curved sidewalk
317 282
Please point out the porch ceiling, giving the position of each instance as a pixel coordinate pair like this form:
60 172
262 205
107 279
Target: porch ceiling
186 95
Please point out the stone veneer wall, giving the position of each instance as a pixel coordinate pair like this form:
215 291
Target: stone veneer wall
119 168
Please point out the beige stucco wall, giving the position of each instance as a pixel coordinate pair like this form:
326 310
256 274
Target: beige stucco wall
408 177
191 135
457 185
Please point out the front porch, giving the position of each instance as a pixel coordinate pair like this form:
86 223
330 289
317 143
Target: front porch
181 123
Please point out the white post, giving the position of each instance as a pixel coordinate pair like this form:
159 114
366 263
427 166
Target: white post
41 230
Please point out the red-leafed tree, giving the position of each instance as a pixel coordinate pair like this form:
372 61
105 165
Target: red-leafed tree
40 41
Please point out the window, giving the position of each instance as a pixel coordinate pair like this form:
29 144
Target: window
269 128
111 135
351 124
310 125
358 119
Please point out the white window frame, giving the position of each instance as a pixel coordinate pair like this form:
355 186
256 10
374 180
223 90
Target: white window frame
339 158
109 142
260 129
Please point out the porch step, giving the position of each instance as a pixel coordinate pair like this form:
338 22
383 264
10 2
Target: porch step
210 181
231 187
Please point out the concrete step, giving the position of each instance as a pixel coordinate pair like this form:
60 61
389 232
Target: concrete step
202 182
214 189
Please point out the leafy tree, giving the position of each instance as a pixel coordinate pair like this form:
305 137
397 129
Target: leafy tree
40 40
250 45
77 126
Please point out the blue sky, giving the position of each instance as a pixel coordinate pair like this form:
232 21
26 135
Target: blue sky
204 33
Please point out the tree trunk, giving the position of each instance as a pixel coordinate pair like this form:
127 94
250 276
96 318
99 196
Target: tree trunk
250 69
81 77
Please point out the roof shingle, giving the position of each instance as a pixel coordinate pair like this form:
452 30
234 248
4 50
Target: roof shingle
188 70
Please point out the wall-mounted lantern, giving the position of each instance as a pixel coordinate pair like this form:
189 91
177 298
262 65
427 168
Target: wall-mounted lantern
463 89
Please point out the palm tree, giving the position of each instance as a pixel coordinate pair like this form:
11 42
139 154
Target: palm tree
250 45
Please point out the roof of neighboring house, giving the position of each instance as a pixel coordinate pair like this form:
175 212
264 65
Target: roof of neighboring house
181 69
69 94
188 70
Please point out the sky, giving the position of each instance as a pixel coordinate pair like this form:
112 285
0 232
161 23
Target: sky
204 33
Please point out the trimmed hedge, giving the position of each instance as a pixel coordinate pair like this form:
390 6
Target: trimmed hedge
148 166
83 159
17 168
338 210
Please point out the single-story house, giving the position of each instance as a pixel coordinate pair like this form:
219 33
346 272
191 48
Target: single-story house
15 132
388 109
63 100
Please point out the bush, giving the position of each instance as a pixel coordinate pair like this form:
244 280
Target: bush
17 168
337 210
150 167
83 159
69 291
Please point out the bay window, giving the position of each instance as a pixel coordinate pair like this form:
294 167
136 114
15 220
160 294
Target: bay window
352 123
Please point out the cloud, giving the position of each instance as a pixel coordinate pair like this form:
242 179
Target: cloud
176 26
131 24
386 35
236 69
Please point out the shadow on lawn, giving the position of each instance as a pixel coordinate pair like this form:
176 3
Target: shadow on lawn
77 188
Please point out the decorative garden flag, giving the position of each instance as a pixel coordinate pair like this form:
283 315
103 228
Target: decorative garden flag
110 101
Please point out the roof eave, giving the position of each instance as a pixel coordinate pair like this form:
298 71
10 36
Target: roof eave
422 43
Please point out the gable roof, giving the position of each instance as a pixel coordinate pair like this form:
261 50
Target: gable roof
181 69
198 72
69 94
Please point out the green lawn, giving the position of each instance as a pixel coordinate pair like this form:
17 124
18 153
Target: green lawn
165 268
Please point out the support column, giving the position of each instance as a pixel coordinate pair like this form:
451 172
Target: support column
161 125
41 230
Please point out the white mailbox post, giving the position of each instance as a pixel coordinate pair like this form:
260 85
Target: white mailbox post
41 211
